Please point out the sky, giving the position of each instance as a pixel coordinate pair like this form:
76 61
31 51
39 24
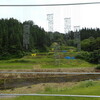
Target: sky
81 15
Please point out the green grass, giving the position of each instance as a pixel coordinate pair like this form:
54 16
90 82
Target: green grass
12 66
50 98
82 88
66 63
45 61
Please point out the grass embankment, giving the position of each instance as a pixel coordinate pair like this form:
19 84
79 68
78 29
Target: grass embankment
80 88
44 61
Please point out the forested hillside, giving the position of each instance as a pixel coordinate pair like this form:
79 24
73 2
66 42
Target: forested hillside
11 38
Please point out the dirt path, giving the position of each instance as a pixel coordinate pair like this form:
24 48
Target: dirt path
85 69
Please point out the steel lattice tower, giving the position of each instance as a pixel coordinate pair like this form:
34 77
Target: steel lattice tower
77 37
50 22
56 45
57 53
26 35
67 25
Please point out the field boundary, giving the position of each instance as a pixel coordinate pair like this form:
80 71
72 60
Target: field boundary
64 95
88 73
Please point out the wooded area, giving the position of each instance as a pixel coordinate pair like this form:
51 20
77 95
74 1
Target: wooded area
11 39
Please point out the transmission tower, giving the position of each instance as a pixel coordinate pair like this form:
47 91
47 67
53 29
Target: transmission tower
50 22
56 45
26 35
56 53
77 37
67 25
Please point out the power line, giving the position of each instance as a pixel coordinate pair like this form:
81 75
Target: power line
77 73
68 4
61 95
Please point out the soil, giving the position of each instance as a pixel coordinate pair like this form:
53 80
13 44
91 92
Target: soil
88 69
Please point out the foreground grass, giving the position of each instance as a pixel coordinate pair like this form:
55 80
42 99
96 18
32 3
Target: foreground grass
50 98
82 88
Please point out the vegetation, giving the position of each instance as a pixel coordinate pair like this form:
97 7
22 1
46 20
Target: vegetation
90 44
11 39
98 66
82 88
45 60
86 33
41 44
92 57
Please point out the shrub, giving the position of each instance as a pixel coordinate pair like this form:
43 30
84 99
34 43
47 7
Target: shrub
5 56
98 66
87 83
92 57
83 55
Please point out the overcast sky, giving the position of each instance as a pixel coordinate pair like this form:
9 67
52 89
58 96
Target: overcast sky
83 15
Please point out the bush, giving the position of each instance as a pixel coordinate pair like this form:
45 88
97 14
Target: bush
92 57
5 56
83 55
19 54
98 66
90 44
87 83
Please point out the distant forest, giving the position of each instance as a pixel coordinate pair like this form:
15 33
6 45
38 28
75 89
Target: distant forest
11 38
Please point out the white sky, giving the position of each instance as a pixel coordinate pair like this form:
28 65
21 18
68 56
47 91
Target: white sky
83 15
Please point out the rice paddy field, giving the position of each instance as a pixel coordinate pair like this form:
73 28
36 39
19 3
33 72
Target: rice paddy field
47 62
77 88
44 60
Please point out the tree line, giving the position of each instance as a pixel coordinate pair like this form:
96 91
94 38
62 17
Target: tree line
11 38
